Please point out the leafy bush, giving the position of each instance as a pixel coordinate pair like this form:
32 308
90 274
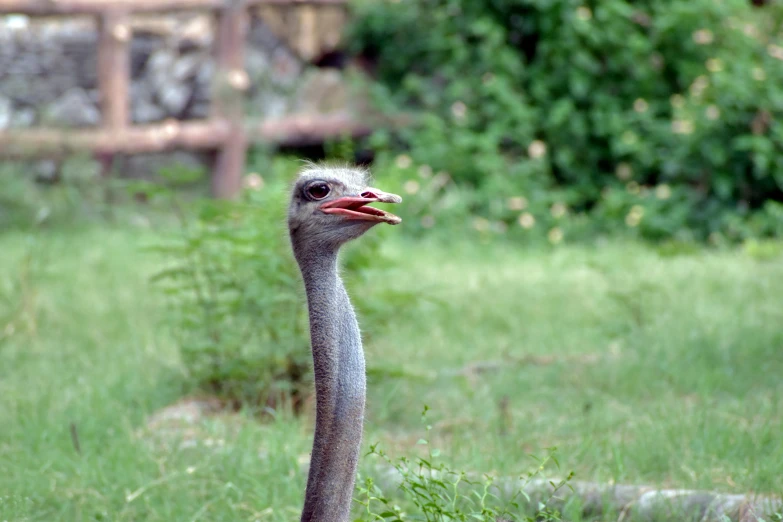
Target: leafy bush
438 493
241 319
661 118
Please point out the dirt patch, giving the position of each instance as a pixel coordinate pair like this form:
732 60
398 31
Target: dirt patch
191 421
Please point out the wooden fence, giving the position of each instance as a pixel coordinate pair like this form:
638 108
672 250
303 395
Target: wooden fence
225 131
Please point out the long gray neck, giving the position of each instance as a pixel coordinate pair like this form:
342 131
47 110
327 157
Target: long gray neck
340 387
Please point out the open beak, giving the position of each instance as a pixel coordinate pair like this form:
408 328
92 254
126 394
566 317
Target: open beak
356 207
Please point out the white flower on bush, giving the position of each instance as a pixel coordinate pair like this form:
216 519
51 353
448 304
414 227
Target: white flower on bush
558 210
427 221
425 172
440 180
555 235
699 85
712 112
253 181
536 149
677 101
682 127
623 171
775 51
663 191
411 186
481 224
750 30
500 227
629 137
584 13
526 220
238 79
403 161
517 203
634 216
714 65
656 61
703 37
459 110
640 105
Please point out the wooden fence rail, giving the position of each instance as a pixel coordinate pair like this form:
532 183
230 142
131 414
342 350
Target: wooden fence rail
225 131
98 7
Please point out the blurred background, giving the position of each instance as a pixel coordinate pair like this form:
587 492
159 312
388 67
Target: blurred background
587 279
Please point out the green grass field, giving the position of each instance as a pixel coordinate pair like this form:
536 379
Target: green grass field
639 368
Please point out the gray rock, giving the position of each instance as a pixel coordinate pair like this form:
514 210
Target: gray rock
160 65
22 118
323 91
187 67
143 107
199 109
142 48
273 106
286 69
6 113
171 93
202 83
256 61
75 109
47 171
15 22
144 111
174 97
153 164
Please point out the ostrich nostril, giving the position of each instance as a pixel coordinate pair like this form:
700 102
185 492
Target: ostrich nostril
369 195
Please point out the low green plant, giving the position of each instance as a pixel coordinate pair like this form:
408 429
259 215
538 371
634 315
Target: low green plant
439 493
240 323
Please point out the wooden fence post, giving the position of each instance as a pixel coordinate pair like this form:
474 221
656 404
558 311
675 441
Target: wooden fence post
231 82
114 36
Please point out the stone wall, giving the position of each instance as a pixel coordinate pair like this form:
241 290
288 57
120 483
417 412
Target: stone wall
48 72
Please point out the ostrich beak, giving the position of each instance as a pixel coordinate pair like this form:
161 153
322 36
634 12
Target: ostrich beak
355 207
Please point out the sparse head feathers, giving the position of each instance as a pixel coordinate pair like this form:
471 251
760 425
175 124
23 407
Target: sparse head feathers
352 177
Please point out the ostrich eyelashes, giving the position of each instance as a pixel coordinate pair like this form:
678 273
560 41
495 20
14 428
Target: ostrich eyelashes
317 191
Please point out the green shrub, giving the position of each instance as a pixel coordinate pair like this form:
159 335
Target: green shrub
604 108
240 322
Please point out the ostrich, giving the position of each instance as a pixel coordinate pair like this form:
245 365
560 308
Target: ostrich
329 208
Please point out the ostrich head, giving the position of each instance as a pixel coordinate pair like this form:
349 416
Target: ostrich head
330 206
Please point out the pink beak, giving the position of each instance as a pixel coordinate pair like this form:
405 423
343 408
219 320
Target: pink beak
355 207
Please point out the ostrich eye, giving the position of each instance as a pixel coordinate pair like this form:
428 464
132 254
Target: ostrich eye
317 191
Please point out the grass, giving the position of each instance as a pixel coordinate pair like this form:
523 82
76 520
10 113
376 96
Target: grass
638 367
